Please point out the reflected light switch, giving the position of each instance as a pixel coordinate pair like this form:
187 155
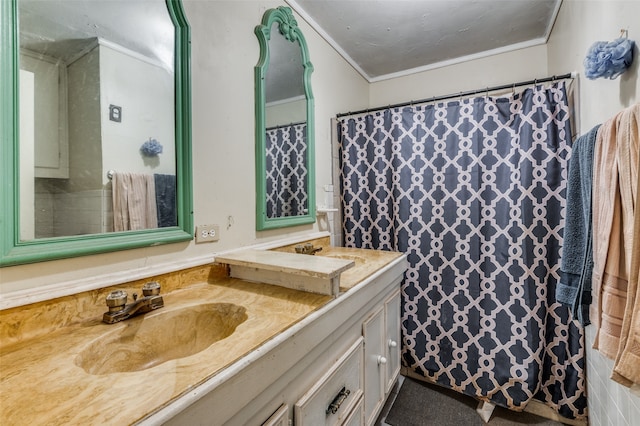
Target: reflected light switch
115 113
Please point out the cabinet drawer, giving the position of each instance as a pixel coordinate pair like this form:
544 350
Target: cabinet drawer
332 398
279 418
356 418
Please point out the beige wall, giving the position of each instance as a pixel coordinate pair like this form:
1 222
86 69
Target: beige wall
224 53
519 65
579 25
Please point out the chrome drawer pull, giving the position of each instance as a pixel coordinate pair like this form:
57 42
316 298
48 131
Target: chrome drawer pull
338 400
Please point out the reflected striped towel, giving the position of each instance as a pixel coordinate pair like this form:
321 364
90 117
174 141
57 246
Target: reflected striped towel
134 201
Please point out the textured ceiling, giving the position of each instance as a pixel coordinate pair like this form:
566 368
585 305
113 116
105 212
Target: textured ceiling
386 38
63 28
380 38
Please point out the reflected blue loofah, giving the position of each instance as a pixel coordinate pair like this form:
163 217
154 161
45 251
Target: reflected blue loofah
151 148
608 59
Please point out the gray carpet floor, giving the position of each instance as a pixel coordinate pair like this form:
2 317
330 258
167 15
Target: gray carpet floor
424 404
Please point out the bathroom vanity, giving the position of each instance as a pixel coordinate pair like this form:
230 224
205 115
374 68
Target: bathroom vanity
282 354
351 344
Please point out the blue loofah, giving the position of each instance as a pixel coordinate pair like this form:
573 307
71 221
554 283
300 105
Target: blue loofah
151 148
609 59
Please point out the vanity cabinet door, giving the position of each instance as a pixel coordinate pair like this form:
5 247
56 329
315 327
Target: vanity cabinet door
375 360
392 341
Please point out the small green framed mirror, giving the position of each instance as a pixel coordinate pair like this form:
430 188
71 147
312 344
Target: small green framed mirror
285 158
93 93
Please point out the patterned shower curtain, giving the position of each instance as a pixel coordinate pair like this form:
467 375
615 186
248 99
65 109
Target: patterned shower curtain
473 191
286 170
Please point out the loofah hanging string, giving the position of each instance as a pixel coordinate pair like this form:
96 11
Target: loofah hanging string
609 59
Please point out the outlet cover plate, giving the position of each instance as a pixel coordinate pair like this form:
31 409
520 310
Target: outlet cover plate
207 233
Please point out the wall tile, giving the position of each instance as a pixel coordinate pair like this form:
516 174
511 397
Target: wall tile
609 402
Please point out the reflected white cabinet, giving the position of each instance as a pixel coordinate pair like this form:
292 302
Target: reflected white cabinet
51 150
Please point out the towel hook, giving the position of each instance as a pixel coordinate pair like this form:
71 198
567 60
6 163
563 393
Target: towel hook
624 32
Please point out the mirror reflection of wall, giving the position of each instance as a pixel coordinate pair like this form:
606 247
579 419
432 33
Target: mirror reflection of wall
103 86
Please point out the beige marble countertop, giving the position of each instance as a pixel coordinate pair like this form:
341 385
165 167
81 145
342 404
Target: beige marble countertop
367 262
40 383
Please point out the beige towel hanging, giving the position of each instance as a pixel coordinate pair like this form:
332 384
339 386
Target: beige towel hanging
626 368
609 280
616 228
134 201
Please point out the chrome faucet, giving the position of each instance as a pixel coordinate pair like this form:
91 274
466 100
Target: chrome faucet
119 310
308 248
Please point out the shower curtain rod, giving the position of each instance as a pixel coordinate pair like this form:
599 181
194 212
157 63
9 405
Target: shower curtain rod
462 94
286 125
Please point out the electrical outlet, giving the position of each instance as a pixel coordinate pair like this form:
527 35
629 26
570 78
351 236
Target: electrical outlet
207 233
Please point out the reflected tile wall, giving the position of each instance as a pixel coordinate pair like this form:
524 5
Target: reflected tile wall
44 213
107 209
79 213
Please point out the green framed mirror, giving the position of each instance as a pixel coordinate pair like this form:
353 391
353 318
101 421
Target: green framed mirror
285 157
96 127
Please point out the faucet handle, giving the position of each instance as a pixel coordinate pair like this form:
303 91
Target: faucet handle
116 300
151 288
